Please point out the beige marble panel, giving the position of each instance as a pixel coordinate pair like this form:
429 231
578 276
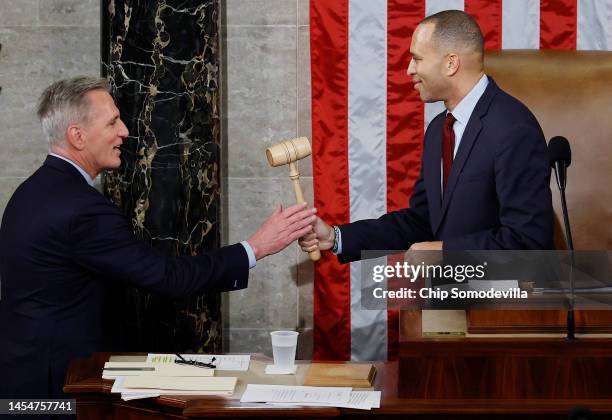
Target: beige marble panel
250 340
22 147
69 13
303 12
30 55
261 12
270 301
31 59
18 12
261 91
304 99
7 188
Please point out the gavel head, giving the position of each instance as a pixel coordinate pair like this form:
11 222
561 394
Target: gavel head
288 151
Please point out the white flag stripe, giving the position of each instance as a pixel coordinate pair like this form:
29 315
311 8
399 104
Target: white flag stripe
369 330
435 6
367 138
594 30
520 24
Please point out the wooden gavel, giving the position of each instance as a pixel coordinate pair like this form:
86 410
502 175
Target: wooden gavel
289 152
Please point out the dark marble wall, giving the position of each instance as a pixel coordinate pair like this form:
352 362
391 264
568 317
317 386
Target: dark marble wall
161 58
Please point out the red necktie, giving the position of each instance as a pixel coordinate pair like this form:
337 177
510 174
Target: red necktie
448 147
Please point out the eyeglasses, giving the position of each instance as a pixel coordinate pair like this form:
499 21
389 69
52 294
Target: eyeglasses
182 361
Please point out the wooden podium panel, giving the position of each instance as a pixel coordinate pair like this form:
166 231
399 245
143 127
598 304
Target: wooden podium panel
506 368
483 321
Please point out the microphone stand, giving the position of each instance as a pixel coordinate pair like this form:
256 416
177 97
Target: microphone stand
560 171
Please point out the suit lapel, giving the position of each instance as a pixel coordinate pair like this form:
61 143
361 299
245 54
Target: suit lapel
469 138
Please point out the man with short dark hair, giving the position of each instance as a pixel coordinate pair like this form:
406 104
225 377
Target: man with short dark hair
484 181
65 248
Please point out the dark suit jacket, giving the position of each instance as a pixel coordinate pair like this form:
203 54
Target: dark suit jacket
64 250
498 194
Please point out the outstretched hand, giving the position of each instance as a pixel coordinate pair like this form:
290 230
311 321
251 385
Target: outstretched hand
281 228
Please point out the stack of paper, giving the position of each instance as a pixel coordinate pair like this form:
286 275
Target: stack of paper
132 387
310 396
237 362
113 370
160 375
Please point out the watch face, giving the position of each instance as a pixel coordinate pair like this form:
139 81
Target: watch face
336 234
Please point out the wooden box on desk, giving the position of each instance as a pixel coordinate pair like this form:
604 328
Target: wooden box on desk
341 374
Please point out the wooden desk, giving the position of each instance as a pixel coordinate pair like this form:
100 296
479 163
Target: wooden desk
403 395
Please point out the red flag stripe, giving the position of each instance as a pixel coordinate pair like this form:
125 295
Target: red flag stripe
558 22
488 14
404 122
329 70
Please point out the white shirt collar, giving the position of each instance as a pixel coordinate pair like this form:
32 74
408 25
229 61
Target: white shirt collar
465 107
78 168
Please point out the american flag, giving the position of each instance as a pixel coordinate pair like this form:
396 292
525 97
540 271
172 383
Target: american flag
368 124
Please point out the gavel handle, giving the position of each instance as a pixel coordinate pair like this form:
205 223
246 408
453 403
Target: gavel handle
315 255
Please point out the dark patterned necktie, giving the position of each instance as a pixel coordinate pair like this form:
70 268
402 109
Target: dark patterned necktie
448 147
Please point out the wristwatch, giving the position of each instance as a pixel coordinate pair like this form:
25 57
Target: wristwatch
336 235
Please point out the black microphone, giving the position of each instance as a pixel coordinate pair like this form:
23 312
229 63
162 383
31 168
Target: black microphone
560 157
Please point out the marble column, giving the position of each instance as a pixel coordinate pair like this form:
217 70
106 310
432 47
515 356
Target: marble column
161 58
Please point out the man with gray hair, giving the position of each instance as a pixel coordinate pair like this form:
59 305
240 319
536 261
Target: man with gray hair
484 181
65 248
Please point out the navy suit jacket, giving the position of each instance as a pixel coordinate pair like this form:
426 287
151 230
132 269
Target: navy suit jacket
65 249
498 194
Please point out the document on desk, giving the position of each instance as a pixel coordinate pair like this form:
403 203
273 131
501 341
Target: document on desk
237 362
360 400
296 394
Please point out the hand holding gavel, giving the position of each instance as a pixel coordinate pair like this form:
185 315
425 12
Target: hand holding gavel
289 152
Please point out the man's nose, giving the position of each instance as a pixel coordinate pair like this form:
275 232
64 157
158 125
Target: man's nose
410 70
123 132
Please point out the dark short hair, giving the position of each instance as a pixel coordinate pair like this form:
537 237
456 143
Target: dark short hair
454 28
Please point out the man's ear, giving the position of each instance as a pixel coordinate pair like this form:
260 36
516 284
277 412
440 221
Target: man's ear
75 137
452 64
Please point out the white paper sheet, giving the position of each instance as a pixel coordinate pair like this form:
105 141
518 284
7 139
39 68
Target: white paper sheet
360 400
128 396
237 362
296 394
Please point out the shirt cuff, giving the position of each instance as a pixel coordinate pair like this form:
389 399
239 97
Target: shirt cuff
339 240
250 253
